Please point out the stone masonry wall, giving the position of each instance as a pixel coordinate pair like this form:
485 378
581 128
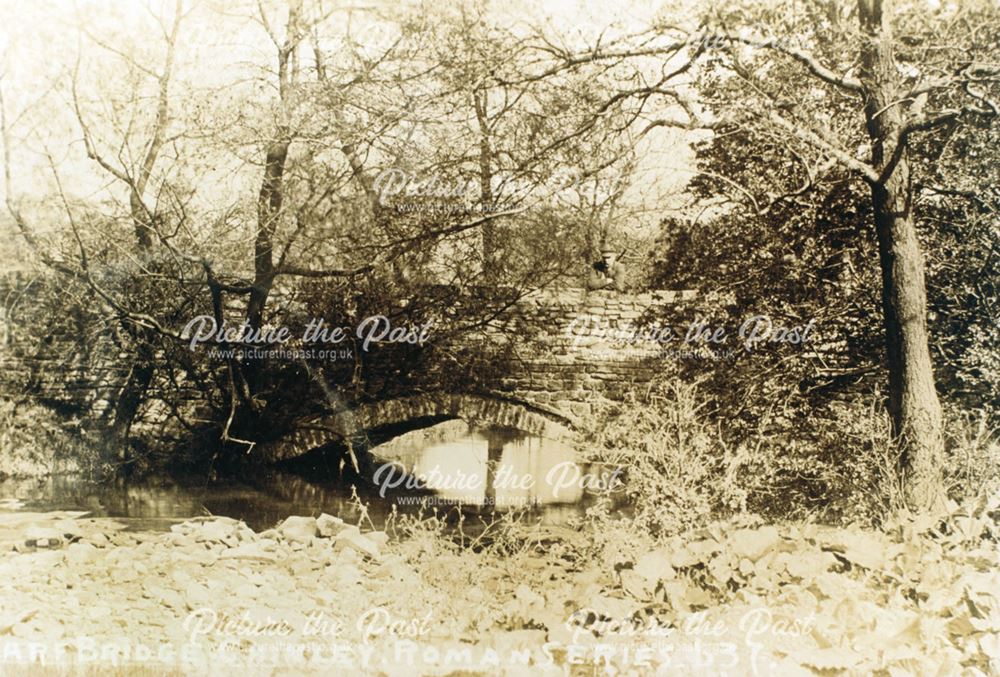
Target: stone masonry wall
585 346
566 356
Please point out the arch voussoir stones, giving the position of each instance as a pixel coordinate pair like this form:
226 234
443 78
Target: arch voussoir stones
584 348
354 423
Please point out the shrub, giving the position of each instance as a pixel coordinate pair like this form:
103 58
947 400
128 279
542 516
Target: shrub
679 470
973 467
687 465
34 442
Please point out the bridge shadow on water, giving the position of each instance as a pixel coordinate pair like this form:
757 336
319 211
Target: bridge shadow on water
437 463
453 467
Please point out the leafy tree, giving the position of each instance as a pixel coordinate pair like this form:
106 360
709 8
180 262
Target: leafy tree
251 192
864 86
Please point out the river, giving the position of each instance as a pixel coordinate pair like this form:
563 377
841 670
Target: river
462 468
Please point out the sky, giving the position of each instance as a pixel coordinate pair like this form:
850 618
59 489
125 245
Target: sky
42 42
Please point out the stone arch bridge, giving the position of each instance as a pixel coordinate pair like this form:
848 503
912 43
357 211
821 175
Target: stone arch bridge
571 362
576 359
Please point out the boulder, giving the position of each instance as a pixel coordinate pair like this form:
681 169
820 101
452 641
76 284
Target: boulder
347 555
353 539
249 551
71 529
348 574
80 553
329 526
97 539
43 537
753 544
380 538
216 531
121 539
298 529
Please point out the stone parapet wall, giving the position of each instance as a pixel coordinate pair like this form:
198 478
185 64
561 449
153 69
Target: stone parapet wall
583 346
570 349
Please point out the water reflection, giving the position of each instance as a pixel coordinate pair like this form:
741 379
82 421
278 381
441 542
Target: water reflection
512 470
150 504
487 465
156 503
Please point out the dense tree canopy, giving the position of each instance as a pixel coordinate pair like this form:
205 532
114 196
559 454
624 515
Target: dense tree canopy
351 159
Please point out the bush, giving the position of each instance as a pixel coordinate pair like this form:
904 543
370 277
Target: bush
34 442
973 455
687 464
679 471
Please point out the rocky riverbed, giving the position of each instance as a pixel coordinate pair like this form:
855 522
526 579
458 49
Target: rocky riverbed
211 596
319 596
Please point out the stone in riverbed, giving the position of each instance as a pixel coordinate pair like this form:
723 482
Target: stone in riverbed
379 538
353 539
121 539
347 555
329 526
303 567
70 528
214 532
245 533
348 574
209 530
164 595
35 531
298 529
97 539
250 551
43 537
246 592
8 621
80 553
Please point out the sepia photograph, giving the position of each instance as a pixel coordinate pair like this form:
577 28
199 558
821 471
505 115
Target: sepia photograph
482 337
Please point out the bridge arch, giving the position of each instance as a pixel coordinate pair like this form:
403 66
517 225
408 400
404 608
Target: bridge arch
354 423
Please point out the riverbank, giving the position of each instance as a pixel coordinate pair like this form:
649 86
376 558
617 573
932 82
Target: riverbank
35 442
211 596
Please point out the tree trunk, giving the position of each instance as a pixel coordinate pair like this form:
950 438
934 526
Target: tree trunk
130 397
268 211
143 365
913 400
489 235
271 198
